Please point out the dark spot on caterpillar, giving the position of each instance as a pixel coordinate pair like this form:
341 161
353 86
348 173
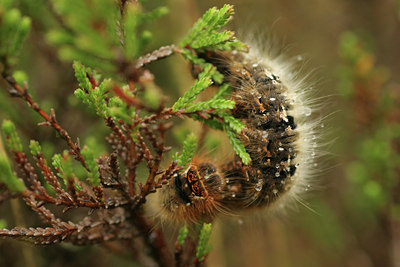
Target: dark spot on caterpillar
267 125
180 190
274 77
291 122
269 146
263 79
282 175
207 169
292 170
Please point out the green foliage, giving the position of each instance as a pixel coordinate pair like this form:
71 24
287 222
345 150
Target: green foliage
183 232
189 147
20 77
64 166
195 60
154 14
87 31
219 104
232 126
8 177
81 76
351 48
152 96
95 97
204 35
201 83
232 123
212 123
223 91
13 30
36 151
6 4
95 32
35 148
131 22
359 65
212 104
57 162
134 19
238 146
203 247
93 175
375 169
3 224
119 110
98 99
13 140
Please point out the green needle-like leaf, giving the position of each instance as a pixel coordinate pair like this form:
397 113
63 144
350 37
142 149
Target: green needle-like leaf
203 247
189 147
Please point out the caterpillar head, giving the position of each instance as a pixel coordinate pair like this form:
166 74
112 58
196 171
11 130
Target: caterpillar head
192 195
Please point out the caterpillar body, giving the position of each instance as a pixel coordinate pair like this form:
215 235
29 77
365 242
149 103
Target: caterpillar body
277 137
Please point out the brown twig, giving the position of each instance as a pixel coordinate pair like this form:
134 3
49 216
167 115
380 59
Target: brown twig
50 120
49 176
160 53
29 173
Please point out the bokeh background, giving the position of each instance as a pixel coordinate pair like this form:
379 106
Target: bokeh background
351 217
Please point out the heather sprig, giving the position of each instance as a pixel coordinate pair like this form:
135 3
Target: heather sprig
204 34
11 135
95 97
189 147
8 177
201 83
93 174
35 148
120 111
238 146
118 30
14 28
195 60
62 163
203 247
183 232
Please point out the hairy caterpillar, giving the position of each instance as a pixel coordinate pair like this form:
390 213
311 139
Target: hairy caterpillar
280 141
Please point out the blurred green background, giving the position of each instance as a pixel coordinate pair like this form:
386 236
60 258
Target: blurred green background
352 216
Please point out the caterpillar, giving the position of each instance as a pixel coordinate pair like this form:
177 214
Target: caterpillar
271 104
